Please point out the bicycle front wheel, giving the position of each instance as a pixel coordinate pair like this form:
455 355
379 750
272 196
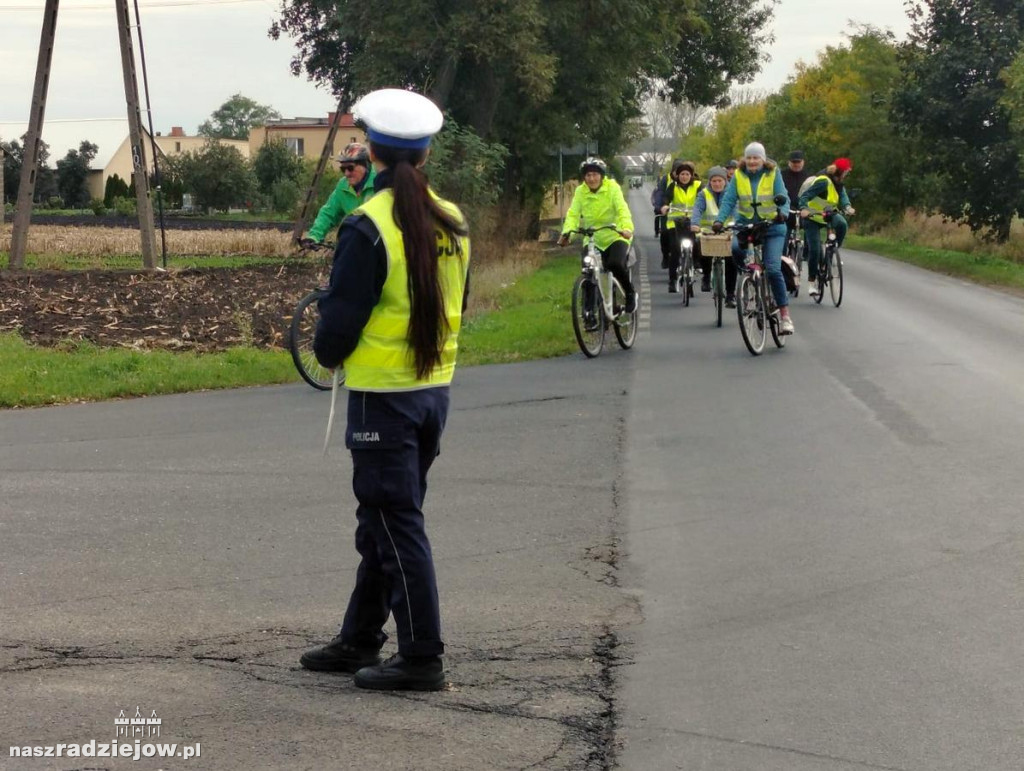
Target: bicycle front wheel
835 285
587 318
718 289
625 323
300 342
686 278
751 312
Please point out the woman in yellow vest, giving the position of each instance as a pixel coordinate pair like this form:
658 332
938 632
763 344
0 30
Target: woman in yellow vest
705 212
392 317
682 192
750 196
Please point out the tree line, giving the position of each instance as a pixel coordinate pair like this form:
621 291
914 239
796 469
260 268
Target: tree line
934 123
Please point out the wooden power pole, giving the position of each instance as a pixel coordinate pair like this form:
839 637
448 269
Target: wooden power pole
325 156
140 171
30 158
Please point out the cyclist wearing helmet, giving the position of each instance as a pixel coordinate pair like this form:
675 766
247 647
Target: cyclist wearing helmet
353 189
599 201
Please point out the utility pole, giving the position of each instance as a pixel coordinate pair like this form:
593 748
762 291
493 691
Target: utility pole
325 155
2 202
30 159
140 171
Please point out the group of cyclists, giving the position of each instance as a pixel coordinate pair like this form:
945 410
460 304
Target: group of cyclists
741 192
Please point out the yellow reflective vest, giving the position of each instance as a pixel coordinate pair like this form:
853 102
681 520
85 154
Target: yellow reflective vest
819 204
383 360
687 199
745 196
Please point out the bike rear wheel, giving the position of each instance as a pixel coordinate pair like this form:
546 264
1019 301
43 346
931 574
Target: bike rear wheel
835 284
751 312
300 342
587 316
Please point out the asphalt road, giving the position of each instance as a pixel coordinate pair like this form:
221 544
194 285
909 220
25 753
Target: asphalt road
675 557
826 541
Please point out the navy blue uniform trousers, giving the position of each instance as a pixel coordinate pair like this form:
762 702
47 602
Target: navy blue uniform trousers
394 438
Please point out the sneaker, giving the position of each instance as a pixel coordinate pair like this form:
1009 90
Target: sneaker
786 326
814 291
705 284
730 301
401 674
338 656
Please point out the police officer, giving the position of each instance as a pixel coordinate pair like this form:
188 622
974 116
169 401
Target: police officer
392 317
354 187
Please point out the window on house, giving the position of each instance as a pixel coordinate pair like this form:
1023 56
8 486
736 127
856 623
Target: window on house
177 147
296 145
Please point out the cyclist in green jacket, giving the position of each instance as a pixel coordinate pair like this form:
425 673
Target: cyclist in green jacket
354 188
598 202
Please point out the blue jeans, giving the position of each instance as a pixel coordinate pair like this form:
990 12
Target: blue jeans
771 254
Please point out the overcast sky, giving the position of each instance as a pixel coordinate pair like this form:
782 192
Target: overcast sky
200 52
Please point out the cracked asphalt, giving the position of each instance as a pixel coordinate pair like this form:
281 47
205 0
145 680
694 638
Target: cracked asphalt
178 553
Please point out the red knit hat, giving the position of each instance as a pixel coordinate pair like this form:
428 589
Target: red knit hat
843 164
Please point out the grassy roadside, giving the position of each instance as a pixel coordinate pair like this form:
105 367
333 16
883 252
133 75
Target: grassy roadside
980 267
527 319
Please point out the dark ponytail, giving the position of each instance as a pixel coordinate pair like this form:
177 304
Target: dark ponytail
419 217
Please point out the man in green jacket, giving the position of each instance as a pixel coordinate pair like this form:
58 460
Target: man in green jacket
354 188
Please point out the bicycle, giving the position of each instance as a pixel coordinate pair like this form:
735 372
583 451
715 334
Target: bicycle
830 266
756 308
685 275
795 251
719 248
303 328
595 308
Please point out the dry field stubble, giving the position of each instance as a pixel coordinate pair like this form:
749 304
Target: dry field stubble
60 241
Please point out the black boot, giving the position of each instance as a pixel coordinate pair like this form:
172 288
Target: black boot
338 656
401 674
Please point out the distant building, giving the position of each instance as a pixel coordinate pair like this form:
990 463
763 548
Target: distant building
175 143
306 136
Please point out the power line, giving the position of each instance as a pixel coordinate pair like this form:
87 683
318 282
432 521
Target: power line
158 4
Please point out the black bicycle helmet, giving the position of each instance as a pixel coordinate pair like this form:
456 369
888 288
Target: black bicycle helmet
594 164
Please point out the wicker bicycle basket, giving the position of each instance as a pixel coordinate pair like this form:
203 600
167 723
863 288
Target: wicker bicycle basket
716 245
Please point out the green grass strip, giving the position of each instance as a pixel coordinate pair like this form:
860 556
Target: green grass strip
533 321
32 376
984 269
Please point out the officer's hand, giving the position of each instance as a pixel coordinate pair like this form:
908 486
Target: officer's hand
664 210
695 228
716 227
563 240
308 243
805 212
850 211
627 234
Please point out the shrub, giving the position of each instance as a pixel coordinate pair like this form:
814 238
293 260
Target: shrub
125 206
98 207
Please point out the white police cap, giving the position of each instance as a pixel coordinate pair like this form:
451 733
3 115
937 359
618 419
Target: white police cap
398 118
